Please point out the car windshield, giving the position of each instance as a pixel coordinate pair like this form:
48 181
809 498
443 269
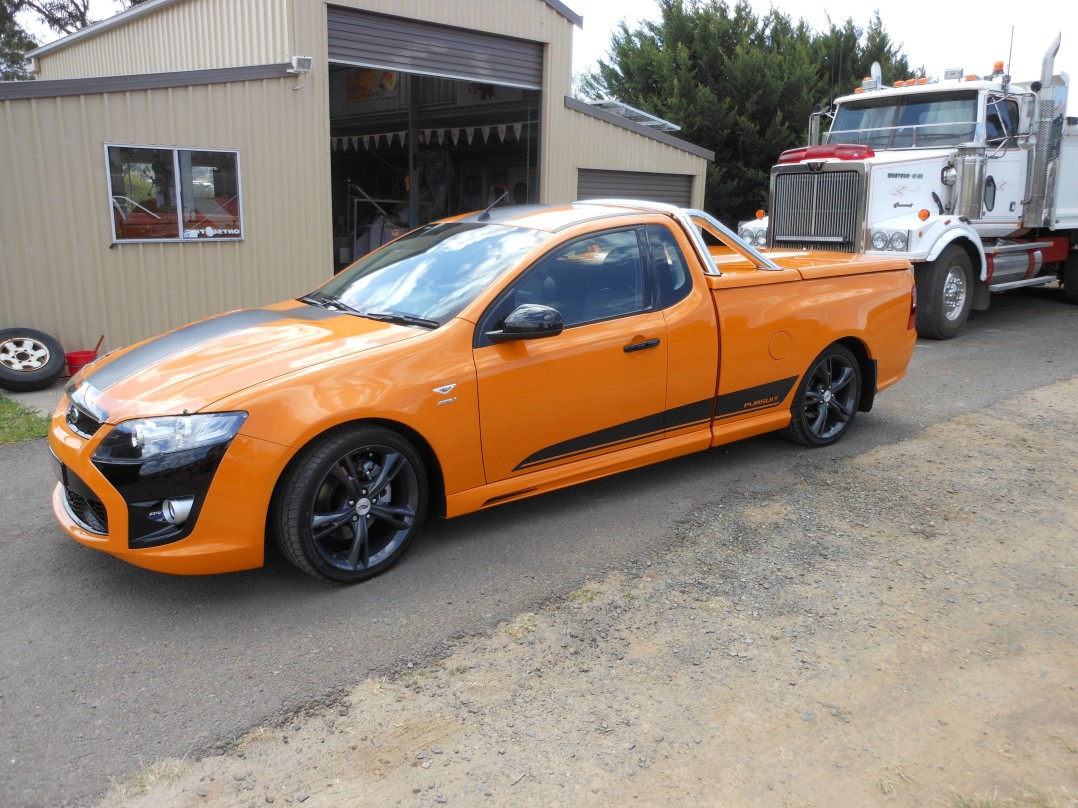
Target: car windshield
921 120
432 273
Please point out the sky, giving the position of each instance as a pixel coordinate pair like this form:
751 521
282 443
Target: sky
934 35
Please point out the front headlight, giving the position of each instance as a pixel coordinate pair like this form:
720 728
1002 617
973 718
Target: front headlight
144 438
899 241
880 241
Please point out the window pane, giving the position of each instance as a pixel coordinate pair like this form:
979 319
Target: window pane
595 278
672 280
143 184
210 194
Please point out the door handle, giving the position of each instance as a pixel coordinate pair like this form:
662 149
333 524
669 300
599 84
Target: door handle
641 346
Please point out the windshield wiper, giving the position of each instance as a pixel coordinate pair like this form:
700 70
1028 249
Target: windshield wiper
400 319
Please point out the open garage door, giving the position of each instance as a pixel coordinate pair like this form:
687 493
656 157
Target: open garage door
426 121
421 48
673 189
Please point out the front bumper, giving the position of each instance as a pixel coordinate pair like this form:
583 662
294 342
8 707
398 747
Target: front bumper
119 512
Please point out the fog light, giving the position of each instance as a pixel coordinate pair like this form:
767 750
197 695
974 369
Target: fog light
176 511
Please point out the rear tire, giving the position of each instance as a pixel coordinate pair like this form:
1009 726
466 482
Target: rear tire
1070 278
29 360
944 294
350 504
827 398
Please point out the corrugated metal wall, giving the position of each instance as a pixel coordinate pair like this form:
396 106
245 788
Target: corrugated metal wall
598 145
191 35
60 272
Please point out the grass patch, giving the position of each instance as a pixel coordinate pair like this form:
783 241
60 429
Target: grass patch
19 423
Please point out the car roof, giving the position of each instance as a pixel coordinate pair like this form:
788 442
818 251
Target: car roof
552 218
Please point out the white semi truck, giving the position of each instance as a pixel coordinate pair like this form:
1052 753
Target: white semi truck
974 179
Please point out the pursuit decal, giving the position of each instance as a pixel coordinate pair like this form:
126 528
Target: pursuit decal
761 397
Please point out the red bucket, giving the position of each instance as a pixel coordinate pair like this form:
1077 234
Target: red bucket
77 360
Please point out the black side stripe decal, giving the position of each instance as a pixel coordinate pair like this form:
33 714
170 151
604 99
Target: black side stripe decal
604 438
762 397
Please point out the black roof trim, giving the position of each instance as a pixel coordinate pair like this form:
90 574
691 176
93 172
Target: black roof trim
646 131
56 88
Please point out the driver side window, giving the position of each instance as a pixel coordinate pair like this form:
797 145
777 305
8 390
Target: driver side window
598 277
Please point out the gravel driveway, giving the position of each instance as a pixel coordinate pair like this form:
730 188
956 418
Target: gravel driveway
896 628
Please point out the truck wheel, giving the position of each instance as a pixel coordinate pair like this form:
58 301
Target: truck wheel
1070 278
350 504
29 360
944 294
827 398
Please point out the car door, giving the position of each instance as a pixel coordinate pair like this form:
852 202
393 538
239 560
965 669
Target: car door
599 385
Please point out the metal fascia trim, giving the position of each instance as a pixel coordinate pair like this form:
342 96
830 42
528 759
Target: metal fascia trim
56 88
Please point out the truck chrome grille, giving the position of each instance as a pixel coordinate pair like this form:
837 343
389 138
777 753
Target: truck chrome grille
816 210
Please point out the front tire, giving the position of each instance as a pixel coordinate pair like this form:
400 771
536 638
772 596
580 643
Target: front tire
827 398
29 360
350 504
944 294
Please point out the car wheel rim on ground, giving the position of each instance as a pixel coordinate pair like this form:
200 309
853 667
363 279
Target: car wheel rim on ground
831 397
364 508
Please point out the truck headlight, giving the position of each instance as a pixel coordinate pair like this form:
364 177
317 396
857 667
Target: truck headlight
880 240
143 438
899 241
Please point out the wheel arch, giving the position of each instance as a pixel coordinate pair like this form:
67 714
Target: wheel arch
868 370
435 476
972 245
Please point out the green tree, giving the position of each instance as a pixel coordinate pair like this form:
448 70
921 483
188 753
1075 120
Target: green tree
740 84
15 42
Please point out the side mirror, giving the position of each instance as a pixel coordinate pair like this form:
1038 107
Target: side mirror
529 321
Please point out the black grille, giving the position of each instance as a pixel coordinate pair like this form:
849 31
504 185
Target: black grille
88 512
816 211
81 423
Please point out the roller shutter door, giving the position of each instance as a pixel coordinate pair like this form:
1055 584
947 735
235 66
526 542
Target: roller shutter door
413 46
673 189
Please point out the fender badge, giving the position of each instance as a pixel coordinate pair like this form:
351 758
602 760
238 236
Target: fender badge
445 401
447 388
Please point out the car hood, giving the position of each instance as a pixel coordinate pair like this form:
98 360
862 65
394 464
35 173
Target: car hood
188 369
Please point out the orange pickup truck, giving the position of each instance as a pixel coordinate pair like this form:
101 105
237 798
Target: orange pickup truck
472 362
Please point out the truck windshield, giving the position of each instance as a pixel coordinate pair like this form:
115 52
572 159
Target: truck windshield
920 120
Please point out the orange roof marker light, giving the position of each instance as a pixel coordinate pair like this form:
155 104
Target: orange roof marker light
923 80
900 84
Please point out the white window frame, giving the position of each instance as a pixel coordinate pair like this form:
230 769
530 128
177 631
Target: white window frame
181 238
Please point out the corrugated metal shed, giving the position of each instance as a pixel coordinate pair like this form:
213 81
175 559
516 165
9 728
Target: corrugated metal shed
210 74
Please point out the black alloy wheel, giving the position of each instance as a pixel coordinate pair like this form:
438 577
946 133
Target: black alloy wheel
351 504
827 398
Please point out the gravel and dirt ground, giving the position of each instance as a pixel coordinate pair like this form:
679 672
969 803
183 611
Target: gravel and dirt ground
898 628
